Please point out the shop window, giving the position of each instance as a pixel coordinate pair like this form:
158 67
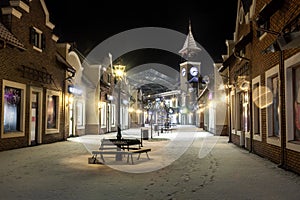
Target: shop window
103 114
256 108
292 87
239 111
52 111
13 112
37 39
273 116
233 111
80 114
113 115
296 102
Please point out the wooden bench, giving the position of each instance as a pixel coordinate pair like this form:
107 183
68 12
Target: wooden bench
123 143
139 151
101 152
128 153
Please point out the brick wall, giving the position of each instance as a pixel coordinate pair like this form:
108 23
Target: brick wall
12 60
260 63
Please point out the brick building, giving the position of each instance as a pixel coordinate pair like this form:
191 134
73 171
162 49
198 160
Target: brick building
32 80
263 69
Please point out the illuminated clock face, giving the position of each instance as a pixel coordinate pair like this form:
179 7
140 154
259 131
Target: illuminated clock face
194 71
183 71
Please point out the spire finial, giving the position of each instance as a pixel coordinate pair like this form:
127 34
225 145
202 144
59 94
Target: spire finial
190 26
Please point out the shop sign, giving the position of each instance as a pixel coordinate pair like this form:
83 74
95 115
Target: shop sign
74 90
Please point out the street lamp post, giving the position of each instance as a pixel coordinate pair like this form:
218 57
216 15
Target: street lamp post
118 71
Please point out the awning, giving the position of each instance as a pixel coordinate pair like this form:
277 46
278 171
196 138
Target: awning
227 62
268 11
9 38
68 67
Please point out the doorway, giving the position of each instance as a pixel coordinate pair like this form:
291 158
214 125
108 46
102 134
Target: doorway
35 136
71 117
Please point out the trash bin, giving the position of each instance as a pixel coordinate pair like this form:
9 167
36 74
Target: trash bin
145 134
156 128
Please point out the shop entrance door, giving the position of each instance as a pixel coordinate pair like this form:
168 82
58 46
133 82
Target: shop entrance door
71 121
34 118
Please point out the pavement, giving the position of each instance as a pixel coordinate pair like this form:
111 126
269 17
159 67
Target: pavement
187 163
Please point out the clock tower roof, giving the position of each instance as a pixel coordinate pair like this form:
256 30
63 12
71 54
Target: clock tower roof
190 47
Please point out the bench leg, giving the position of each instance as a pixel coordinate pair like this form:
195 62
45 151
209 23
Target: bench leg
140 156
102 157
147 155
129 154
94 157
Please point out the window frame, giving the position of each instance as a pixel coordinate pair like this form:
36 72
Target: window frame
22 87
58 108
289 65
103 113
113 115
256 83
269 74
37 39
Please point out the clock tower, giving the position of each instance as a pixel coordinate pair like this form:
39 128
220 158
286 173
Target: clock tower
189 75
190 69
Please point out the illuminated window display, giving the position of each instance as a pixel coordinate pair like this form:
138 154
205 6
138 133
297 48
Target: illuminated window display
52 101
296 87
12 109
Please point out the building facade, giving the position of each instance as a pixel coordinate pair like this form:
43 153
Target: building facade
263 79
32 79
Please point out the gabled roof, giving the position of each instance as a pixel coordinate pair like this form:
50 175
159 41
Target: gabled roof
190 47
9 38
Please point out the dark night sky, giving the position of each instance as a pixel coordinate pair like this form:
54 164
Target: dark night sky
87 24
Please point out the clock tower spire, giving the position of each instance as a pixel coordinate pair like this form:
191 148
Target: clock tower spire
190 48
190 71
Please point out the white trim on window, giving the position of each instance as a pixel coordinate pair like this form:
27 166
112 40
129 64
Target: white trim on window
80 113
103 115
21 87
256 104
268 75
57 95
38 39
113 115
232 112
288 66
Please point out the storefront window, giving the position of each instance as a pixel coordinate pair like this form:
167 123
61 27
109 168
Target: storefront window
103 114
274 108
12 109
113 114
79 114
296 101
256 110
52 101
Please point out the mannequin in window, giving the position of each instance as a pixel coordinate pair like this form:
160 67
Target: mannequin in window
297 108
